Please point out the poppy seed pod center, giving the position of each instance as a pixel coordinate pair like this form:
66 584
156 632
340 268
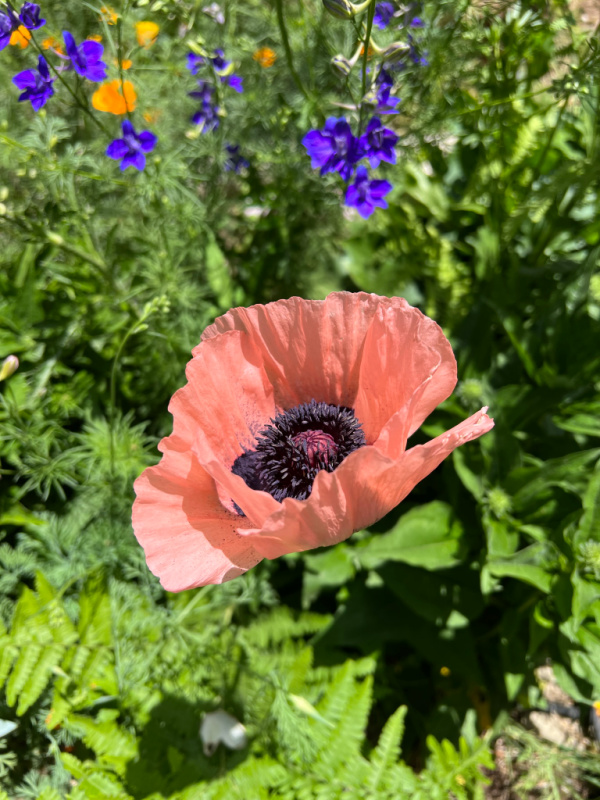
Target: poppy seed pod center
316 445
298 444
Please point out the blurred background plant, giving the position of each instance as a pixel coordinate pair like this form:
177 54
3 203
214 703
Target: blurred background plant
427 628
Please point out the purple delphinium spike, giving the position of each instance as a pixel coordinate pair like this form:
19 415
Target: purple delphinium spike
131 148
383 14
9 22
235 161
234 82
365 195
378 143
30 16
417 22
208 114
194 62
334 149
36 84
86 58
415 54
386 102
219 62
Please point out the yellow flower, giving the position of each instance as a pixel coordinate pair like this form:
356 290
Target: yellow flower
113 98
21 37
108 15
152 115
95 37
146 33
265 57
50 43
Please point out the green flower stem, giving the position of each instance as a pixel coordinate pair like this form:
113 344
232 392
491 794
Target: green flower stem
366 42
288 50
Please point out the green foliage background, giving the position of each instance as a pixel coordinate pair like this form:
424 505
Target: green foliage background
430 624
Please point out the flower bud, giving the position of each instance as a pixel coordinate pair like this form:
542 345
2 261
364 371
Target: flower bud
9 366
342 64
394 52
342 9
55 238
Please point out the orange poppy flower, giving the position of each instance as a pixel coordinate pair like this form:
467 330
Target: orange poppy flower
146 33
21 37
108 15
265 57
291 433
113 98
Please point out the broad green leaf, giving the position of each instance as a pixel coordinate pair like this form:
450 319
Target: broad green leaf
428 536
589 525
534 565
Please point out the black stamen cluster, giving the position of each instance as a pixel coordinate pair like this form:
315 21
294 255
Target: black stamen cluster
285 463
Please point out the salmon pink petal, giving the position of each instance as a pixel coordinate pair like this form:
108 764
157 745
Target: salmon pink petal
407 366
312 349
188 537
228 399
362 490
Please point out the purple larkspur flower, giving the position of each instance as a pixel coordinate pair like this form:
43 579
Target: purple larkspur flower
378 143
415 54
208 114
194 62
234 82
86 58
235 160
366 195
36 84
386 102
30 16
384 79
417 22
334 149
9 22
219 62
383 14
131 148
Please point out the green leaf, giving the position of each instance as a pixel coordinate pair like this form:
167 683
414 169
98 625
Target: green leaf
532 565
428 536
330 568
95 615
589 525
387 752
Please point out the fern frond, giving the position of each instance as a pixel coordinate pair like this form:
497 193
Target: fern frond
387 752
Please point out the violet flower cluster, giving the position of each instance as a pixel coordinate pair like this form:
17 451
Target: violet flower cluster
10 21
208 115
36 85
336 149
85 59
131 149
408 18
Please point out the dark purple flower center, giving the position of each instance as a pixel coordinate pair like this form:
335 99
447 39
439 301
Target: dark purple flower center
298 444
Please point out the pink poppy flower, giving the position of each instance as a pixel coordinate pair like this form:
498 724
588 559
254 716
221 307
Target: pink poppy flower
291 433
